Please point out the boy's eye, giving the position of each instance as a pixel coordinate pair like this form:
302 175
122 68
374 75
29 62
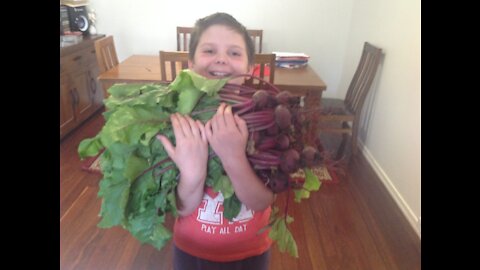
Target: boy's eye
235 53
208 51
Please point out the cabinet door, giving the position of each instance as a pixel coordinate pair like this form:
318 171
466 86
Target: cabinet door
84 102
67 105
81 95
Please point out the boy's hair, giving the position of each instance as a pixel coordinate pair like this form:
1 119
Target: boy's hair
220 18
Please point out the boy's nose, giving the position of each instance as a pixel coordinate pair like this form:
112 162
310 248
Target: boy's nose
221 59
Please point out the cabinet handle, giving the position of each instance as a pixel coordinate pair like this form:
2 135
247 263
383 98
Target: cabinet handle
74 98
93 86
77 98
77 58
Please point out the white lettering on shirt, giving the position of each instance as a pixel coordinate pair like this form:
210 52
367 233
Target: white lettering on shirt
210 214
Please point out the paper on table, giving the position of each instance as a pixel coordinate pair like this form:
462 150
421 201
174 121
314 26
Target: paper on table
290 54
74 3
291 65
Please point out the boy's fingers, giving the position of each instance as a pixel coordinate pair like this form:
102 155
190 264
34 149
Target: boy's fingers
208 130
242 125
177 129
184 124
228 116
193 126
202 130
219 117
169 148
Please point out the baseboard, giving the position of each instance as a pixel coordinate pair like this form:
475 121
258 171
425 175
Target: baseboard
414 221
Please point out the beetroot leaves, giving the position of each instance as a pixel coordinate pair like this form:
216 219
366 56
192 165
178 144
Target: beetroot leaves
139 179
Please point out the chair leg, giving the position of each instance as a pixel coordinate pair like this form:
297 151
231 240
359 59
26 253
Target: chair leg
354 146
354 139
341 147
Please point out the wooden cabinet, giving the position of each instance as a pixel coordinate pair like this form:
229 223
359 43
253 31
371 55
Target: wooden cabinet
81 94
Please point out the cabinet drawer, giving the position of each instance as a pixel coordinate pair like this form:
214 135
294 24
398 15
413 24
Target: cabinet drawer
77 61
91 57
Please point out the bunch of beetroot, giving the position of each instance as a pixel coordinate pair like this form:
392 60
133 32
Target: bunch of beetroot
276 121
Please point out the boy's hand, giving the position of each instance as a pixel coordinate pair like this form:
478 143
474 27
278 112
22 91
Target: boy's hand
227 133
191 151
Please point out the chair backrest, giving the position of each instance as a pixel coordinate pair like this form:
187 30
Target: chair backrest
171 63
264 68
257 38
341 113
183 37
184 33
106 53
363 78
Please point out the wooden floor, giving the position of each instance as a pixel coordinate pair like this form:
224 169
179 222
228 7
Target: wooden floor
351 225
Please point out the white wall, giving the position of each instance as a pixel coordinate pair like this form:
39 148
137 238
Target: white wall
316 27
391 126
332 33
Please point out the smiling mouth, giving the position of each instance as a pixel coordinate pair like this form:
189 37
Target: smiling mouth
219 74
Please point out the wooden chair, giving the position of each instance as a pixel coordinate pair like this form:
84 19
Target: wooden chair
257 38
106 58
348 110
264 68
171 63
183 37
106 53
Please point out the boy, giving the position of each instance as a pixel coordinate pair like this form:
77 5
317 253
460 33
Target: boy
203 239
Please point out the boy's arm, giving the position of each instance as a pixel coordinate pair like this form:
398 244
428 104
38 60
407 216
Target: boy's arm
249 189
227 135
189 197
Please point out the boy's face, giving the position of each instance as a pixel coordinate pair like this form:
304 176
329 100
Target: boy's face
221 52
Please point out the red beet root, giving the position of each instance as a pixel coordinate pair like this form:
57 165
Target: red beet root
310 157
290 161
260 98
283 117
278 182
282 142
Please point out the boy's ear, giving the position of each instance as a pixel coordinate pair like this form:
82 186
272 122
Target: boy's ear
190 64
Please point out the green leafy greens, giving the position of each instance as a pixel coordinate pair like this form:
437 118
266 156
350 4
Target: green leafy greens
135 196
139 180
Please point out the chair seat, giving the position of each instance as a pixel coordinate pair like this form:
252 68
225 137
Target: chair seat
333 109
334 119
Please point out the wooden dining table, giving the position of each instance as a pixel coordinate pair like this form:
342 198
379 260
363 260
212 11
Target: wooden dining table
146 69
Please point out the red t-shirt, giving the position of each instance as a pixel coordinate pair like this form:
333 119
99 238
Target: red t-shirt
208 235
